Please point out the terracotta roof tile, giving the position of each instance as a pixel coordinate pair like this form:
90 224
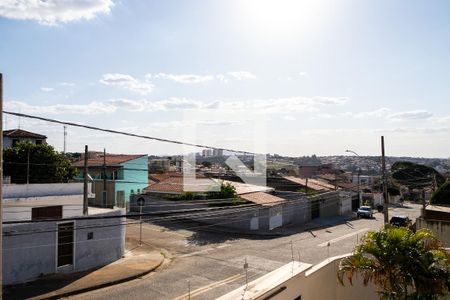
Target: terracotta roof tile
111 160
263 199
20 133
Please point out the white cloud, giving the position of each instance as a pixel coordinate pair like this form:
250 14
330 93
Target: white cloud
303 74
182 78
52 12
241 75
379 113
289 118
411 115
278 105
88 109
47 89
127 82
195 78
67 84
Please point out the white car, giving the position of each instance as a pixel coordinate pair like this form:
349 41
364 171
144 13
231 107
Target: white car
364 212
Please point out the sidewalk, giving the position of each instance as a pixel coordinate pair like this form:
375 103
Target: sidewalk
138 261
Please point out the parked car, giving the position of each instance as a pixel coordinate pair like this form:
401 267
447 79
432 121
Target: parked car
400 221
364 212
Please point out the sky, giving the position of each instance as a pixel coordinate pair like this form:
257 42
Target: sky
290 77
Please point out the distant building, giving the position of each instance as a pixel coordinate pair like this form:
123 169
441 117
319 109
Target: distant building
159 165
125 175
207 152
217 152
14 136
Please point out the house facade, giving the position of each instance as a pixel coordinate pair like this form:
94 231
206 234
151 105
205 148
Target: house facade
13 136
114 177
59 238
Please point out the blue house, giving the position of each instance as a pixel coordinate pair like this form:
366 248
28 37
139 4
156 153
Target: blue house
114 177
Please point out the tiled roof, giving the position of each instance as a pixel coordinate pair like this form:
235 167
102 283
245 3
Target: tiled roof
313 184
263 199
20 133
176 185
111 160
244 188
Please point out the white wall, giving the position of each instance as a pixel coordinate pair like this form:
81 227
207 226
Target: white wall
345 202
311 283
19 199
20 208
42 189
26 258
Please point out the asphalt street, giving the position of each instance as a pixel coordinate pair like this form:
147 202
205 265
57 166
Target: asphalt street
211 263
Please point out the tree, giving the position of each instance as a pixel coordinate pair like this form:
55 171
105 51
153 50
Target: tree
37 163
403 264
415 176
206 164
227 191
442 194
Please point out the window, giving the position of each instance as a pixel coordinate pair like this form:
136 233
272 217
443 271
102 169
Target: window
47 212
38 142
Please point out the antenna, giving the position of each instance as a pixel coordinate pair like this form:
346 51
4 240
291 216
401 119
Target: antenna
19 118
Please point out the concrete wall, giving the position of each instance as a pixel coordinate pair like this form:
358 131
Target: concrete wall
311 283
329 203
439 227
21 208
296 212
41 189
26 258
345 203
153 203
19 199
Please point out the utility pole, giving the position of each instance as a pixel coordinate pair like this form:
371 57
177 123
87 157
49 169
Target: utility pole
359 193
65 135
28 166
85 171
385 193
104 179
1 185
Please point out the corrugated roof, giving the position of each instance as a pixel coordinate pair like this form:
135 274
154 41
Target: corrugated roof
111 160
20 133
263 199
313 184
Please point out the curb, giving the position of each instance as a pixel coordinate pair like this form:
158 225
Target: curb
99 286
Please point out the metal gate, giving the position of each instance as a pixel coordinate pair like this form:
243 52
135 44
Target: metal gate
315 209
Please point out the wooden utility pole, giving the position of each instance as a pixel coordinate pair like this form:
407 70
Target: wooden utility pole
65 136
385 192
1 185
359 192
85 171
104 179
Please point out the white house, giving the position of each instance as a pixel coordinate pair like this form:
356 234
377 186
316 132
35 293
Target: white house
45 232
14 136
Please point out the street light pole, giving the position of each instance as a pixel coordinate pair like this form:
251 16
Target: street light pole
359 174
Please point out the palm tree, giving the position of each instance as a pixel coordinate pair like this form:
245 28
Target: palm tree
403 264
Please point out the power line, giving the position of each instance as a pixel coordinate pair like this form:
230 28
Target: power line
123 132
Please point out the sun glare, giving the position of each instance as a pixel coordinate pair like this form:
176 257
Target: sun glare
280 16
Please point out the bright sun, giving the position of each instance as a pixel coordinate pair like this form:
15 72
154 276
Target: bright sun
280 16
